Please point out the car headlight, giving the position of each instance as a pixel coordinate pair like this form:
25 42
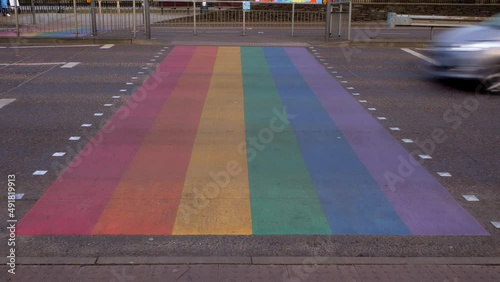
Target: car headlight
476 46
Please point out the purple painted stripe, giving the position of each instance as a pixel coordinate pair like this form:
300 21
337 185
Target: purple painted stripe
420 201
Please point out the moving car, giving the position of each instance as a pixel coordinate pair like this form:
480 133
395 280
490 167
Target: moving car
471 52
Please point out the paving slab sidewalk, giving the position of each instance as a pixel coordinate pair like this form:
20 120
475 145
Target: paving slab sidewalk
255 269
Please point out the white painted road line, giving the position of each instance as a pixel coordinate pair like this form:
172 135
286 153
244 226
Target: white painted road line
5 102
496 224
394 128
58 154
444 174
40 172
107 46
86 125
19 196
98 114
55 46
425 157
74 138
69 65
418 55
407 140
33 64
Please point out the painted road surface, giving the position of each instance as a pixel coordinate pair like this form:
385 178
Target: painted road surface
242 141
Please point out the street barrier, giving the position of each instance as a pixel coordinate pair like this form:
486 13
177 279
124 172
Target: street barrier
430 21
136 18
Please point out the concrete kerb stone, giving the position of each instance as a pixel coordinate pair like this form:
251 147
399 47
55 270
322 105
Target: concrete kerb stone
378 260
495 261
369 43
173 260
29 40
56 260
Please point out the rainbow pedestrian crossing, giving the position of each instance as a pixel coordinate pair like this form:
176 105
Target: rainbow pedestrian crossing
244 141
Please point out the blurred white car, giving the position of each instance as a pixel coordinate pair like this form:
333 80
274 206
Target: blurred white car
471 52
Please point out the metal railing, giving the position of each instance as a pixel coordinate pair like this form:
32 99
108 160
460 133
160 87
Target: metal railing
229 16
135 18
338 22
425 1
74 18
430 21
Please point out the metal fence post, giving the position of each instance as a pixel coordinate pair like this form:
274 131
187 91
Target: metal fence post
243 18
33 12
328 18
93 17
147 18
134 19
340 20
349 23
16 6
293 17
194 16
76 18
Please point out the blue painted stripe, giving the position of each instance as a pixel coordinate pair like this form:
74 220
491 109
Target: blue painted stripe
351 199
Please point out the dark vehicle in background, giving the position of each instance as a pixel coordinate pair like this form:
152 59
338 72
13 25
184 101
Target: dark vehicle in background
471 52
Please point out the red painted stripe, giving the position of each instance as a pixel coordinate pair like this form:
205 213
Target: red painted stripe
146 199
73 203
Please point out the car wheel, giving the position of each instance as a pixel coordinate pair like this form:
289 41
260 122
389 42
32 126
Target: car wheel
492 81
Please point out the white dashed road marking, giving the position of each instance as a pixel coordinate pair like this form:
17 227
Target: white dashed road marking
74 138
444 174
58 154
407 140
5 102
470 198
40 172
418 55
107 46
425 157
69 65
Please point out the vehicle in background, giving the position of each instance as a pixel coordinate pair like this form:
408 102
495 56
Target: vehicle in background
471 52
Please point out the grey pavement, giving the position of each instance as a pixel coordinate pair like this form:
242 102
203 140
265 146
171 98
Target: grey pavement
269 269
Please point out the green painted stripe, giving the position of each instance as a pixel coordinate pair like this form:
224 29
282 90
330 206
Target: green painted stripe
282 195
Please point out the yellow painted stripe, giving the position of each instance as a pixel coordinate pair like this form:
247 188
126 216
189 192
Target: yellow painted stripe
216 197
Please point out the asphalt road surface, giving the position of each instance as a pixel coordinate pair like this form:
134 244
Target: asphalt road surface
49 94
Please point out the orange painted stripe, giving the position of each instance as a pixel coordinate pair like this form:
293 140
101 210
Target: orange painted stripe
216 196
148 195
